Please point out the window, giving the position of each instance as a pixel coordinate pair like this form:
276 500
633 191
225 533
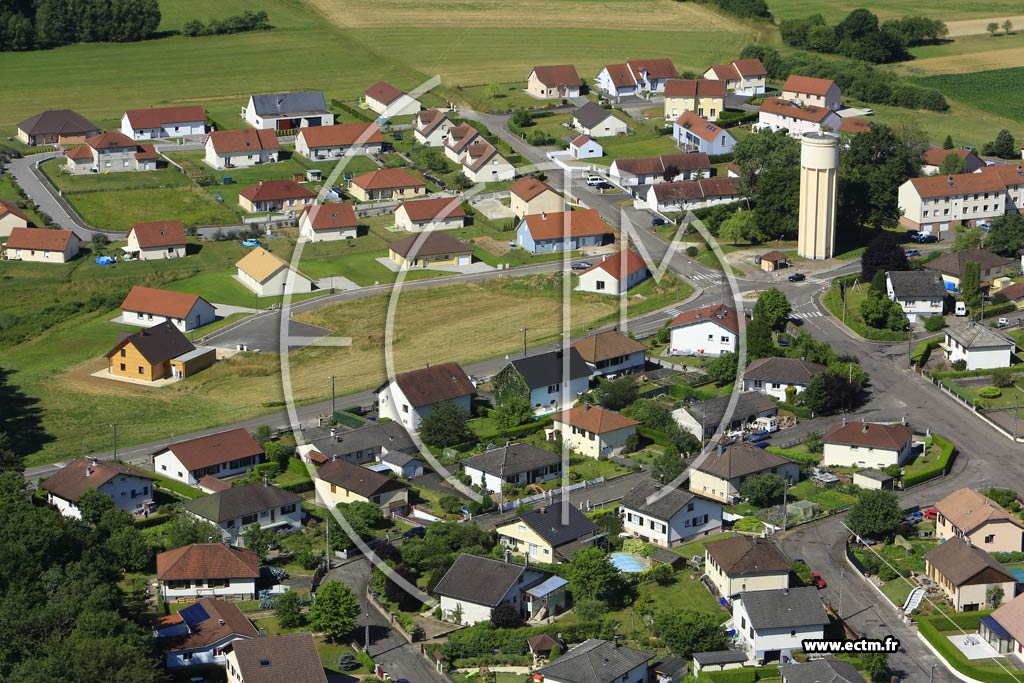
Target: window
186 656
249 519
689 507
711 337
145 490
405 409
333 489
287 509
140 370
123 353
122 367
792 634
552 388
600 284
990 538
124 493
264 513
726 339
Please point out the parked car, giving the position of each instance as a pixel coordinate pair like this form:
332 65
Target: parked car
797 277
603 186
931 513
960 309
819 582
655 222
759 435
924 238
582 265
415 532
594 180
1003 322
911 253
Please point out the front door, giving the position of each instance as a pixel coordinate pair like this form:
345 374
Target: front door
273 512
533 550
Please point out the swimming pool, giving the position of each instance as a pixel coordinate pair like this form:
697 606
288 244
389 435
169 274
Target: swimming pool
1018 573
628 563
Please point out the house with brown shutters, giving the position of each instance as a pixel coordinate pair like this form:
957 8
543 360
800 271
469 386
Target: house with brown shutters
339 481
593 430
327 142
11 217
223 454
482 163
664 168
562 231
808 91
275 195
289 657
267 274
163 122
389 102
934 204
287 111
111 152
868 444
704 331
690 195
433 250
202 634
386 184
445 213
967 575
720 476
157 240
611 352
559 81
778 114
615 274
129 488
528 195
329 222
702 96
146 306
41 245
635 77
982 522
56 127
430 127
740 563
741 76
241 148
411 396
207 570
696 134
156 353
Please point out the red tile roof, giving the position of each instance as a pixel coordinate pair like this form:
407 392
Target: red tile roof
1012 175
332 216
699 126
807 85
870 434
694 87
207 561
214 449
460 136
614 265
146 151
749 67
82 474
957 184
580 140
528 187
243 140
212 483
428 209
224 620
607 344
805 112
551 226
110 140
693 161
561 74
1013 292
159 234
386 178
383 92
11 208
39 238
80 153
655 68
856 124
725 72
428 120
478 154
721 315
595 419
359 480
160 302
162 116
429 385
272 190
342 135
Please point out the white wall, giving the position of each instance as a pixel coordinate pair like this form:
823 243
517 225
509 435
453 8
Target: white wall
706 337
544 400
210 655
167 465
757 643
201 314
684 525
774 389
637 674
841 455
609 284
244 588
393 404
978 359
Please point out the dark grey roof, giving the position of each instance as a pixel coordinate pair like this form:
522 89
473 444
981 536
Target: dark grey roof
398 458
720 657
664 507
749 405
546 368
239 501
278 104
875 474
828 670
784 608
975 336
788 370
157 344
916 284
58 121
595 661
390 436
479 580
291 658
547 522
670 666
740 460
591 114
513 459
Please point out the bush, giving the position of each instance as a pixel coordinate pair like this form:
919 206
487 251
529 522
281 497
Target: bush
692 251
990 392
959 365
1000 309
929 629
936 469
934 323
1002 378
923 351
1004 497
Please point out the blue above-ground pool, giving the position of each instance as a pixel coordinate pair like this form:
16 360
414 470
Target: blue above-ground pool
628 563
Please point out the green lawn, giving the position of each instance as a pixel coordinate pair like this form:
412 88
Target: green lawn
693 548
978 89
897 590
947 10
500 97
9 192
583 468
643 142
828 499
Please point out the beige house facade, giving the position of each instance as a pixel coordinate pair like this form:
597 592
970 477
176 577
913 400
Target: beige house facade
967 576
740 563
967 514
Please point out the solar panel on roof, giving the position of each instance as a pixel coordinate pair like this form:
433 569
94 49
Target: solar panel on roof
193 615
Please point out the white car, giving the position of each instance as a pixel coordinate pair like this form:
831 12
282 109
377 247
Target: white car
594 180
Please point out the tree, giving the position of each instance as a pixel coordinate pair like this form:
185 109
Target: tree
769 165
591 574
445 426
506 616
334 610
994 596
812 442
689 631
10 461
1007 26
668 465
1004 146
258 540
131 548
93 505
952 164
967 238
1006 235
763 489
278 454
589 610
760 343
722 370
741 226
1002 378
362 516
288 610
815 396
774 308
895 471
521 118
970 286
948 142
616 394
876 514
883 253
186 529
878 282
876 664
193 28
263 433
870 175
514 411
878 312
992 27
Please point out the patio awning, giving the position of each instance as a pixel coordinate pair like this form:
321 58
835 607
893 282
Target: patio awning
996 628
547 587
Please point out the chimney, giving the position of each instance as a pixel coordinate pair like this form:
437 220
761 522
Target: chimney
508 553
844 421
543 510
266 482
586 407
334 432
543 215
221 621
864 426
88 471
785 591
94 460
719 452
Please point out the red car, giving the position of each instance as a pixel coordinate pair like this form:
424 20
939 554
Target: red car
819 582
931 513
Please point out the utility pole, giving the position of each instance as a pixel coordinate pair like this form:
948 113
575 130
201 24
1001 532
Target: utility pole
842 571
931 673
785 515
366 643
333 409
1016 414
114 427
327 548
523 330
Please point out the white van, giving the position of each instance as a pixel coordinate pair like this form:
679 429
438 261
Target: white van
961 308
768 424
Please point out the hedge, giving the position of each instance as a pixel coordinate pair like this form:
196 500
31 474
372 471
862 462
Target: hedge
796 456
358 113
483 640
999 309
729 119
936 469
800 411
923 351
659 438
349 419
299 486
929 628
517 432
744 675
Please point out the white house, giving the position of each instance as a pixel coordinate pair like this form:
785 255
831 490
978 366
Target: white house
741 76
459 138
329 222
482 163
241 148
110 152
388 101
1004 629
594 120
740 563
11 217
42 245
815 92
145 306
615 274
720 476
288 111
430 127
598 661
918 292
221 455
266 274
979 346
237 508
561 231
933 157
130 489
585 147
771 624
611 352
773 376
331 142
207 570
289 657
444 213
593 431
779 114
339 481
411 396
667 517
696 134
157 240
664 168
550 390
635 77
690 195
519 464
474 586
202 634
868 444
704 331
163 122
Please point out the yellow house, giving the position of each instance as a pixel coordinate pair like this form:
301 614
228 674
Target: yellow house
386 184
741 563
594 431
545 536
156 353
968 515
339 481
967 575
704 97
721 477
531 196
430 249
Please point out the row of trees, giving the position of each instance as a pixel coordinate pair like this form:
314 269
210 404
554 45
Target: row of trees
236 23
42 24
861 36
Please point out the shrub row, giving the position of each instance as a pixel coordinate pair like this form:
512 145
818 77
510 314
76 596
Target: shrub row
483 639
923 351
299 487
354 111
744 675
517 432
937 468
999 309
808 459
800 411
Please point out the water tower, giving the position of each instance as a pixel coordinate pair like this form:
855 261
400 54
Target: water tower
819 165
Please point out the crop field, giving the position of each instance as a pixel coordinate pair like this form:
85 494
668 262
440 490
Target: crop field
950 11
969 53
988 90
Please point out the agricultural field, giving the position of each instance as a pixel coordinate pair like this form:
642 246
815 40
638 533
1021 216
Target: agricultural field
984 89
947 10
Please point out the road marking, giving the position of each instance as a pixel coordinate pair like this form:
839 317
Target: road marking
808 314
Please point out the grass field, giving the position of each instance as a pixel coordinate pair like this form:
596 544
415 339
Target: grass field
983 89
947 10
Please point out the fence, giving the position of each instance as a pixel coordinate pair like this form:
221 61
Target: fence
549 495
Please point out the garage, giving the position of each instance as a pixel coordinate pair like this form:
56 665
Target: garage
465 260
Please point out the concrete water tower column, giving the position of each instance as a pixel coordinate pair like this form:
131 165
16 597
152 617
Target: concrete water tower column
819 165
